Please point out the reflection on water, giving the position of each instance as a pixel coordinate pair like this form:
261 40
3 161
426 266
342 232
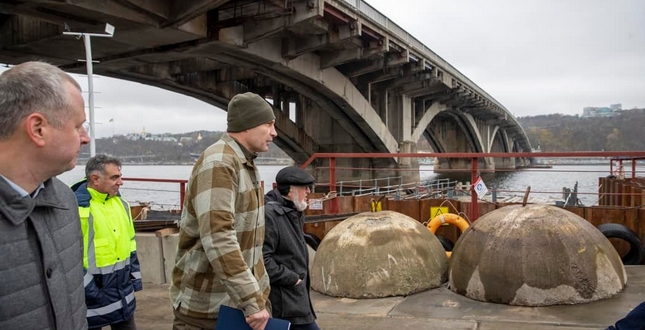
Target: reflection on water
545 182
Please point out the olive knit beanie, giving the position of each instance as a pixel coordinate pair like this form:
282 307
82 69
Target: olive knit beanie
246 111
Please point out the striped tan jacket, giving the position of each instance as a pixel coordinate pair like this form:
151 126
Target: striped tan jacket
221 235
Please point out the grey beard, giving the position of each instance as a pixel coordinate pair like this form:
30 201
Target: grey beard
300 206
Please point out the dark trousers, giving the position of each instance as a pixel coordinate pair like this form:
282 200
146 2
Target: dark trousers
635 320
310 326
125 325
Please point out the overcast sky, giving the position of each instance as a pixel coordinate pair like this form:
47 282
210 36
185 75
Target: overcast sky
533 56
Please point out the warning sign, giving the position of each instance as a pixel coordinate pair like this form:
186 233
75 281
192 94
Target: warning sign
435 211
316 205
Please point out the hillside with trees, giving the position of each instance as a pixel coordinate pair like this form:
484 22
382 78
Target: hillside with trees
572 133
164 149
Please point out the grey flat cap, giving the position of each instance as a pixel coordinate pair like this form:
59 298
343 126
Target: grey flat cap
294 176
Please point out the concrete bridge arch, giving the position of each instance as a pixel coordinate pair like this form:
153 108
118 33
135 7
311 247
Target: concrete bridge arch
356 81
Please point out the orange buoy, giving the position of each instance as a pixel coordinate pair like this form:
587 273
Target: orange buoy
450 218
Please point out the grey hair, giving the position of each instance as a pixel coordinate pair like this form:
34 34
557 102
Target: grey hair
98 162
33 87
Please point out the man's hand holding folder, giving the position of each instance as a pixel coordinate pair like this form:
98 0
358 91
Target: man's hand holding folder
230 318
258 321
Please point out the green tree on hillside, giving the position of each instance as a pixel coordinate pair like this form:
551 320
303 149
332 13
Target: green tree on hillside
614 142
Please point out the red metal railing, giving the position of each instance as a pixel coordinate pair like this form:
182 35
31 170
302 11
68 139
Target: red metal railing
611 156
182 186
620 163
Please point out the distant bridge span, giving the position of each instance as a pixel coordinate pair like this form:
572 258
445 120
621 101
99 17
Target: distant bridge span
353 80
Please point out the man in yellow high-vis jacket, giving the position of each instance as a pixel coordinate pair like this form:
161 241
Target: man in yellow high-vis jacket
112 272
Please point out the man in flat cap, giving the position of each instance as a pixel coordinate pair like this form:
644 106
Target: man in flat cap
219 255
286 257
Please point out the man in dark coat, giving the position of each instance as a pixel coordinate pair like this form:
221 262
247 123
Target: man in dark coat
286 257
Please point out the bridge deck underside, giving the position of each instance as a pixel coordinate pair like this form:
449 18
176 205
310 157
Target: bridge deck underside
339 80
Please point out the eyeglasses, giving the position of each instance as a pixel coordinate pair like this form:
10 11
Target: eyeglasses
310 187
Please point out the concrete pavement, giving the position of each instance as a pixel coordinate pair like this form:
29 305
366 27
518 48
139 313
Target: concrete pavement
434 309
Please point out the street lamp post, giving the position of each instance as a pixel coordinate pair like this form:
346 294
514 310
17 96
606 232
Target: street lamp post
109 32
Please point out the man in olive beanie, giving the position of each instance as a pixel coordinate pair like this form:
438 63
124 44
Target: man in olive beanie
224 200
246 111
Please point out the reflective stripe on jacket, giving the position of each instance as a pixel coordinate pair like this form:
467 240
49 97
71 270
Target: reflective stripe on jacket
112 271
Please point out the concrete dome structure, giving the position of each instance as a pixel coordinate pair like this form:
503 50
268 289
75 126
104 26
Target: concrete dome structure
536 255
378 254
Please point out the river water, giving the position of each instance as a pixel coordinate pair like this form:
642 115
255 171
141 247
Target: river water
543 182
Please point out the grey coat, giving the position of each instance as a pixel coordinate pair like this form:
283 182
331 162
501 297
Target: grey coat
286 260
42 260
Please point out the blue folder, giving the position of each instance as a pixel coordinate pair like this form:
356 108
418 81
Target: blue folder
230 318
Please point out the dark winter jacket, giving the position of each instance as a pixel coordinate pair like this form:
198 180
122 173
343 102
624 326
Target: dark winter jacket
286 260
41 265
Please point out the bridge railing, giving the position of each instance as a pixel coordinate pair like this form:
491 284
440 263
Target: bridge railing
408 40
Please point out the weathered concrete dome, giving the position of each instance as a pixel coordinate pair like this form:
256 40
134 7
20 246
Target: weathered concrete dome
536 255
378 254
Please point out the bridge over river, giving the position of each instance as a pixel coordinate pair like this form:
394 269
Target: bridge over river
341 76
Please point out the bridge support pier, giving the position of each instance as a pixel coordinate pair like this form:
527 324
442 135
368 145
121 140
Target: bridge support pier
352 174
505 164
446 165
485 164
409 167
523 162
